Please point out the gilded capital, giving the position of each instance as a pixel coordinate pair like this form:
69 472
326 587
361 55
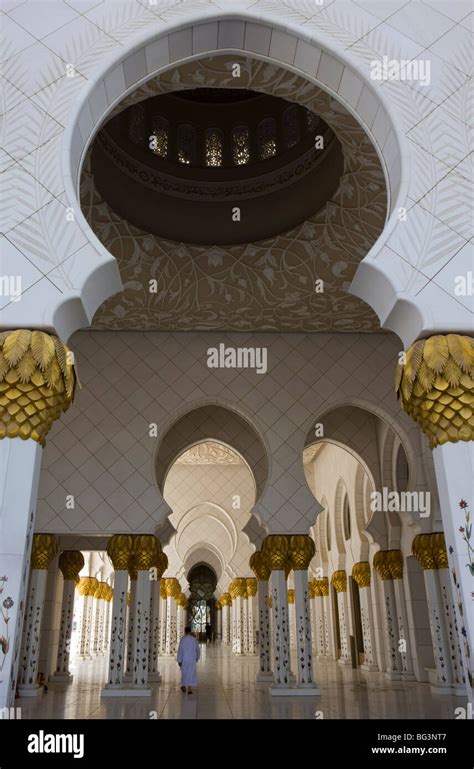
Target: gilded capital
145 551
395 561
339 580
43 550
37 382
163 589
321 586
119 550
381 564
291 596
161 564
87 586
439 550
275 550
361 573
108 593
182 601
435 386
226 599
259 566
240 587
218 604
172 587
251 587
422 549
301 551
100 590
70 563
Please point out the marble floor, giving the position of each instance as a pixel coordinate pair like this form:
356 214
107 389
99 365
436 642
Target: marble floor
227 690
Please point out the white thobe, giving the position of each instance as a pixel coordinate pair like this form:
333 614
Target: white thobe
188 654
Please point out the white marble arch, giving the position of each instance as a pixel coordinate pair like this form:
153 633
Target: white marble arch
406 300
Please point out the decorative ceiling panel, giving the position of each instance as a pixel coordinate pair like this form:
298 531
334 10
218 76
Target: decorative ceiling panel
268 285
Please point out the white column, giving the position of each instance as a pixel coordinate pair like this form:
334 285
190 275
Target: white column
117 633
163 621
264 636
451 624
368 631
281 650
320 626
304 651
20 463
226 624
454 466
439 637
239 624
170 647
101 640
245 625
95 639
328 634
403 632
31 634
141 630
345 658
251 618
179 622
292 618
108 605
394 668
154 650
131 628
65 630
219 624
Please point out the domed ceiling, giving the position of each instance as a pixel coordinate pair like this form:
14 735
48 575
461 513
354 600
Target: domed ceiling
294 280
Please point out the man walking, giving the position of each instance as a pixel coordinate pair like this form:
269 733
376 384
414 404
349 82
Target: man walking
188 654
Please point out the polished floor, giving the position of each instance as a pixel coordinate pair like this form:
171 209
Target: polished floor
227 690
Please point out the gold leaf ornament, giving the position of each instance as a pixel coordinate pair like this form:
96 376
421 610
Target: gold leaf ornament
37 383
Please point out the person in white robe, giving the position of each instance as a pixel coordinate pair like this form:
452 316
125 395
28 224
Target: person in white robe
188 654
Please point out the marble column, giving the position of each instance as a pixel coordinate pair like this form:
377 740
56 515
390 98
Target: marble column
383 569
292 618
301 551
262 571
226 602
361 575
131 605
440 398
429 549
163 616
245 623
181 604
328 635
339 580
396 565
29 406
275 551
219 620
161 564
70 563
108 598
318 617
251 614
44 549
145 551
239 596
96 620
173 589
119 550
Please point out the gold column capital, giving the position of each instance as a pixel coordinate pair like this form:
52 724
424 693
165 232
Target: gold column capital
259 566
361 573
119 550
173 588
218 605
161 564
37 382
43 550
388 564
422 549
301 551
108 592
100 590
182 601
291 596
145 551
225 599
87 586
322 586
70 563
240 587
251 587
275 549
339 580
435 386
439 550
